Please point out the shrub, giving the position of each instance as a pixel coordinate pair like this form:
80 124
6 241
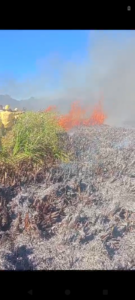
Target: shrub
35 138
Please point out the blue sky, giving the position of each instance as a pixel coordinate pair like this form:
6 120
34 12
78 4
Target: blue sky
36 61
21 50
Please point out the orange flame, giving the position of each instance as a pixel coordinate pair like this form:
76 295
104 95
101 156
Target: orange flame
80 116
50 108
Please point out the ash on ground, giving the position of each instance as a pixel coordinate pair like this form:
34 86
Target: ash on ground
82 216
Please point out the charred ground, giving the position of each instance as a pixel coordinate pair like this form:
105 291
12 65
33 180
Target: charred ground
85 207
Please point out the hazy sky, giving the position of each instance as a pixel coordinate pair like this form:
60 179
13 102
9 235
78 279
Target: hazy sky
65 65
37 57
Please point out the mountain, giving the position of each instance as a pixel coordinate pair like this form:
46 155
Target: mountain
6 99
30 104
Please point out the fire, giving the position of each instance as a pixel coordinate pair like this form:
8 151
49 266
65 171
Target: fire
80 116
50 108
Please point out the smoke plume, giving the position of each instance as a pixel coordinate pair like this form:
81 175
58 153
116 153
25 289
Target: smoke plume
108 71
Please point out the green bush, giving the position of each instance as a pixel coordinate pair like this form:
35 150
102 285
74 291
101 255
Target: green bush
34 136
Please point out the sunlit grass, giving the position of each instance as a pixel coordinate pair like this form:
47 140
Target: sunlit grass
34 138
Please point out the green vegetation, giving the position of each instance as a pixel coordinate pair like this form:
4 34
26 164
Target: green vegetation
34 139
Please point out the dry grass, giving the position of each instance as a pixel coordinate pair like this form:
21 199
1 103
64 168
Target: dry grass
32 145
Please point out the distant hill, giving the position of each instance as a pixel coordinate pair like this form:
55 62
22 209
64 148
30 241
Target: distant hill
30 104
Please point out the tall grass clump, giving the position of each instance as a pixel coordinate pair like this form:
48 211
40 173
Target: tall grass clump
33 137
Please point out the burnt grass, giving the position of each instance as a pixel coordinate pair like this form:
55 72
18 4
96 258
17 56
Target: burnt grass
85 208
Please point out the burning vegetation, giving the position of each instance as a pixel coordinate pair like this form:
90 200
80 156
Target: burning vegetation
40 139
61 191
79 115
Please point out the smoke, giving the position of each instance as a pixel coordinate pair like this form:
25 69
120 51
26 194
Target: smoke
108 70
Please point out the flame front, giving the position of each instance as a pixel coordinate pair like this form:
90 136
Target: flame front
80 116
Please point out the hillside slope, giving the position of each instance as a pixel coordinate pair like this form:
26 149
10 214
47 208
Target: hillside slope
32 103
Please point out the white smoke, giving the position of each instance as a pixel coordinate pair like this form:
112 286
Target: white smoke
108 68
